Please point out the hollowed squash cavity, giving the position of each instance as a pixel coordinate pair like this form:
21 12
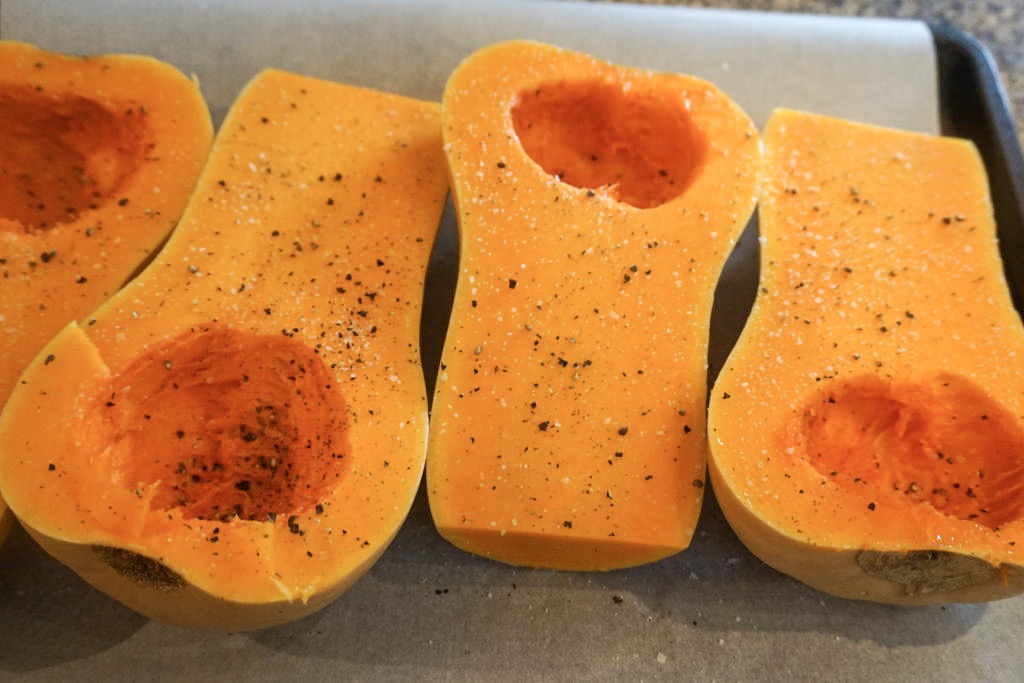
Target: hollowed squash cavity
641 148
64 154
939 441
232 424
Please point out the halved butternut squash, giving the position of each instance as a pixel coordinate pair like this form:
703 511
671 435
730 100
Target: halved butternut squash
97 160
597 205
235 437
867 431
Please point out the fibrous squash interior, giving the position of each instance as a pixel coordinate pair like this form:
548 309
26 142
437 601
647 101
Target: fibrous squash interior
640 147
220 423
940 441
63 154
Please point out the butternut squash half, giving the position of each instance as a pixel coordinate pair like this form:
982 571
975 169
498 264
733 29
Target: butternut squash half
597 205
867 431
98 156
235 437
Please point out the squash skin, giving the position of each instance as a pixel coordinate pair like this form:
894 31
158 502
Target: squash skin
567 427
60 271
882 297
307 239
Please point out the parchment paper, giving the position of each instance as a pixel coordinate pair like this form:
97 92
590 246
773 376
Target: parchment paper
428 611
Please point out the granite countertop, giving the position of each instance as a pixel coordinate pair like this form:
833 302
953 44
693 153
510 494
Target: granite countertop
999 25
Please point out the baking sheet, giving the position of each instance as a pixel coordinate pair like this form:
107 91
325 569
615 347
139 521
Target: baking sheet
428 611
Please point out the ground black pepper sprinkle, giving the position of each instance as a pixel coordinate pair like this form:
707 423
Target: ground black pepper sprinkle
49 359
623 431
512 283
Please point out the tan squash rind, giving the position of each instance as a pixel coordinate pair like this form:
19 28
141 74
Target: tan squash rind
867 431
597 205
235 437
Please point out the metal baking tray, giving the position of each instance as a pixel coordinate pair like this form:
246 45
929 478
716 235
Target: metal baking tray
429 612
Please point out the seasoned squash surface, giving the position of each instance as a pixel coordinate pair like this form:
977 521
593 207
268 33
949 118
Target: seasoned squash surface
867 433
597 205
98 156
235 437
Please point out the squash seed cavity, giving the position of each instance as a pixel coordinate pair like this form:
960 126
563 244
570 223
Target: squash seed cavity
636 144
220 423
941 441
63 155
143 570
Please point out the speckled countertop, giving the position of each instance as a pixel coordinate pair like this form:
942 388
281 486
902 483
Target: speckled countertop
999 25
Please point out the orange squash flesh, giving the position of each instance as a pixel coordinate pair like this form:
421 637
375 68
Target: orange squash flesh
235 438
596 206
98 158
867 431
